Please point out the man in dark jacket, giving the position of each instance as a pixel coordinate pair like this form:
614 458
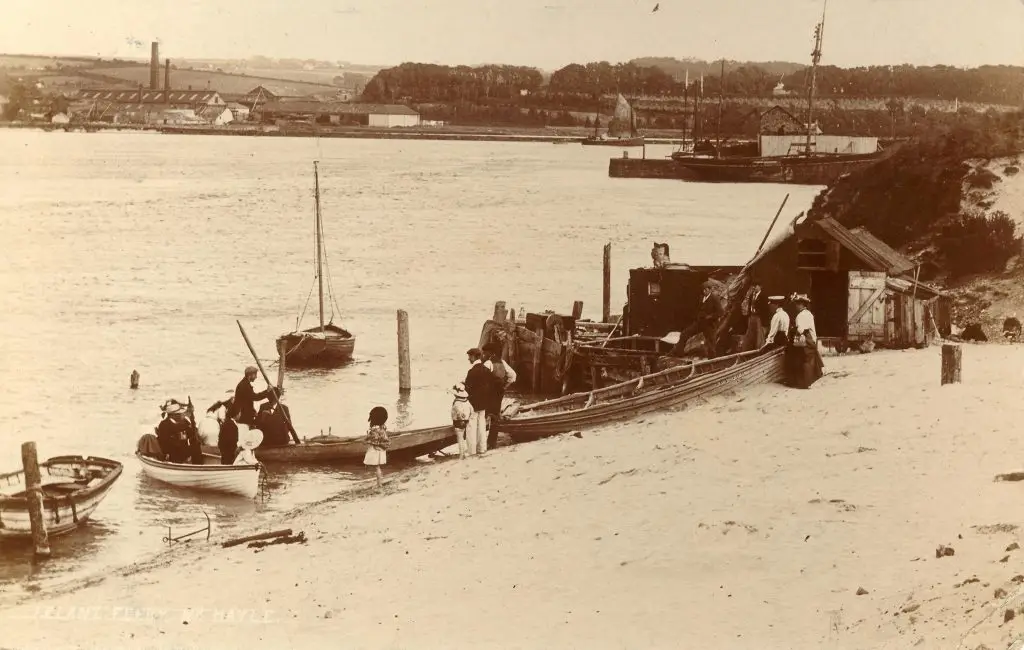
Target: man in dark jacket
245 397
709 313
481 385
271 420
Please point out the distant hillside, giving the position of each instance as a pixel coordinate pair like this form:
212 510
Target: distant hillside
222 81
678 68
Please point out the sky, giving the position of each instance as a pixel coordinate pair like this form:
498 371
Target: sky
544 33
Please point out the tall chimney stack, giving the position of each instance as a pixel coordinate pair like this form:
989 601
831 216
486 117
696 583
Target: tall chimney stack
154 68
167 74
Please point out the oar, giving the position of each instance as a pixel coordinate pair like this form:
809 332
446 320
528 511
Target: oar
612 332
772 225
259 365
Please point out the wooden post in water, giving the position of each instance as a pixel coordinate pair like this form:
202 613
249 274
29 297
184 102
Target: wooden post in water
34 492
951 357
404 373
538 358
606 310
281 350
500 313
134 380
577 310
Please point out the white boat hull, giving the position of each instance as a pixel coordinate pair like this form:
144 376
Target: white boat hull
240 480
62 513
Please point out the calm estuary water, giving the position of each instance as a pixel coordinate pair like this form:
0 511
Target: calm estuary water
139 251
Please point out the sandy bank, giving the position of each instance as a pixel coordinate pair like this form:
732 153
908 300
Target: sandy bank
749 521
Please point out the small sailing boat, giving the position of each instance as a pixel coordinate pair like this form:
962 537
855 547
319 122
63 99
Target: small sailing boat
326 344
623 115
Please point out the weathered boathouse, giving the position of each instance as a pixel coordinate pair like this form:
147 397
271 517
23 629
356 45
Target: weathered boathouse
860 288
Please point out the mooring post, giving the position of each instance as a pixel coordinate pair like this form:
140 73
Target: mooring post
134 380
951 358
34 492
606 307
404 374
281 350
538 358
500 313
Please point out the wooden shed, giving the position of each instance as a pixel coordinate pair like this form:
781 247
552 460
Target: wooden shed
860 288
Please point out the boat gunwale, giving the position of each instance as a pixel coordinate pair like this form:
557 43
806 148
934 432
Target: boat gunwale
183 467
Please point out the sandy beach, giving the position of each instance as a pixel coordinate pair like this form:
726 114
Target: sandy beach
749 521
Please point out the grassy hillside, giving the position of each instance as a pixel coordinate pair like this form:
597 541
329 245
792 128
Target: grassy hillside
202 79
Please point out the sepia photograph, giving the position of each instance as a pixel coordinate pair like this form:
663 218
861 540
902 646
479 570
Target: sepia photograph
605 324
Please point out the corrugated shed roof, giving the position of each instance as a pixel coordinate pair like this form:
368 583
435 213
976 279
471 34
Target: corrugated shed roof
150 96
897 263
868 248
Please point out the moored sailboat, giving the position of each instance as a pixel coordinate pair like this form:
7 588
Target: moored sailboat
623 115
326 344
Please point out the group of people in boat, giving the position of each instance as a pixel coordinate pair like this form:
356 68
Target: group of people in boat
177 435
765 322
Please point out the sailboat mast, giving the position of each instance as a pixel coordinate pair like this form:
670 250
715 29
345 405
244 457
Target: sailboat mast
319 245
721 98
819 32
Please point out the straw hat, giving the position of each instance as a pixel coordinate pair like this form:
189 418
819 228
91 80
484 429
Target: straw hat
250 439
459 390
802 297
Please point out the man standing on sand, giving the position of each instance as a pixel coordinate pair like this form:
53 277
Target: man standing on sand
245 397
505 376
481 384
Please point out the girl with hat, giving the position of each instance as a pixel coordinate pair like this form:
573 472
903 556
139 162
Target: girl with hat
807 365
377 442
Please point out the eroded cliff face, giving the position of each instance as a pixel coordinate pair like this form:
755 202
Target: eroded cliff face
917 198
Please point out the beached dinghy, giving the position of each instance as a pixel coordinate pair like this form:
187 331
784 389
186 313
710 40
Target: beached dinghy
211 476
670 388
73 487
404 445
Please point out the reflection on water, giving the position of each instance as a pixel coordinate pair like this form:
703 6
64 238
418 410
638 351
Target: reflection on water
127 253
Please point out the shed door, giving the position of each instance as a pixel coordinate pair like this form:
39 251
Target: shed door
866 309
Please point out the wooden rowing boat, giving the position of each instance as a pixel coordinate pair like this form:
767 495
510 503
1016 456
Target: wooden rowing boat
211 476
405 445
672 387
73 487
326 344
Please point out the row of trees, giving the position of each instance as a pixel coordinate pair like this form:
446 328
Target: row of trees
576 84
425 82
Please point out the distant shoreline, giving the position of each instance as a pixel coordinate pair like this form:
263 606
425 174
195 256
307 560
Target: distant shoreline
465 134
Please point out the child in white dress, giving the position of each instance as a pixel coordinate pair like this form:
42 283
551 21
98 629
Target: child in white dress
377 442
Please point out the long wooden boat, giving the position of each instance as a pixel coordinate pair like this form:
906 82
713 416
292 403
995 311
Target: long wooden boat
669 388
404 445
211 476
73 487
621 358
326 344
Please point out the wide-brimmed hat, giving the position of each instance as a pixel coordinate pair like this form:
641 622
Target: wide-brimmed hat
802 297
459 390
708 284
776 298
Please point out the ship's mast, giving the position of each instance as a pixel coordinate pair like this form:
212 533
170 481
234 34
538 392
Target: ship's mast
819 32
319 245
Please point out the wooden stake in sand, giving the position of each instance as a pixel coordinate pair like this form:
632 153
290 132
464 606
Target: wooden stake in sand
34 494
404 372
951 357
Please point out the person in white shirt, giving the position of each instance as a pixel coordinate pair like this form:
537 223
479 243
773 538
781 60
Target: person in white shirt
778 330
808 365
507 376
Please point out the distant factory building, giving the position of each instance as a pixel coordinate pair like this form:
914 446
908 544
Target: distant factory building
194 99
342 113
